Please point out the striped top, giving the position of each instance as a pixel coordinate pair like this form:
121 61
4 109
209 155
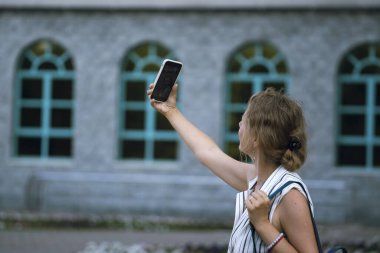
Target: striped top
241 240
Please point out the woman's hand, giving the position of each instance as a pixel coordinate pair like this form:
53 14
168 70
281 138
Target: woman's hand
258 208
167 106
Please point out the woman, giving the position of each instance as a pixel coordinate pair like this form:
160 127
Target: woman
272 134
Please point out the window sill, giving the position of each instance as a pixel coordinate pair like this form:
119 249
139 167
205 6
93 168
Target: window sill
356 171
40 162
141 165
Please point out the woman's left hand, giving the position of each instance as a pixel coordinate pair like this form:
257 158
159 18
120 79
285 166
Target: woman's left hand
258 208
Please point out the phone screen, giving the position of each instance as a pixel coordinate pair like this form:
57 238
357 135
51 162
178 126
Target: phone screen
166 79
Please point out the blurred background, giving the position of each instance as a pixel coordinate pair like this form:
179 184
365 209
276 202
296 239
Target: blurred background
84 157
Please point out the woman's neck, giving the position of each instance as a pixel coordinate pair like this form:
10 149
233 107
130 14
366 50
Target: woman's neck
264 170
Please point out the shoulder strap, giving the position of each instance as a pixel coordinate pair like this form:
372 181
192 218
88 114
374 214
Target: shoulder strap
282 187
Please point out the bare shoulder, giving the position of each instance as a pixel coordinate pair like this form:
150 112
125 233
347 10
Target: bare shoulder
294 201
293 209
295 218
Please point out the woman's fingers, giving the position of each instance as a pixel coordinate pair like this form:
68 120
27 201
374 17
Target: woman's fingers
163 107
249 204
175 87
258 206
150 89
260 194
263 196
259 197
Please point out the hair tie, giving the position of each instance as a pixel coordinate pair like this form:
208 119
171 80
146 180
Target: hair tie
294 144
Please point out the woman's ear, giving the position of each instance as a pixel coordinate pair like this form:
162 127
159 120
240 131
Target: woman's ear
255 143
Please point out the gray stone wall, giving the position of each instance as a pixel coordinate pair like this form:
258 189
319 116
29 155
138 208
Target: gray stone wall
313 42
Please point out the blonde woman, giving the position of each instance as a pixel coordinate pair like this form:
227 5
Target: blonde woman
272 134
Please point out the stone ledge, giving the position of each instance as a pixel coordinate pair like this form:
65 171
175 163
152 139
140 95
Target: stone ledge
160 194
132 194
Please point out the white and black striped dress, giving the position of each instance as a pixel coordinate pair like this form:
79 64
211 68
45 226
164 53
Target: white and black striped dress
241 240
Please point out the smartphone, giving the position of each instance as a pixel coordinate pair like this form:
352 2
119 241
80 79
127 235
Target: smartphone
166 78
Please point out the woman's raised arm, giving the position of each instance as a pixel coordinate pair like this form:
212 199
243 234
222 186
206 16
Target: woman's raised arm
231 171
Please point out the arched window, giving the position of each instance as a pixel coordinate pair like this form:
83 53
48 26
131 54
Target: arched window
43 111
144 134
251 68
358 110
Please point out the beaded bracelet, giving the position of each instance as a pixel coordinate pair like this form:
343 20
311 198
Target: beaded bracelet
275 241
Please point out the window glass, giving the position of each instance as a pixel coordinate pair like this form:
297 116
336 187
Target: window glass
151 68
25 64
30 117
361 52
135 90
281 68
47 66
60 146
347 67
31 88
353 124
134 119
166 150
69 65
60 118
29 146
371 70
235 118
269 51
354 94
259 69
240 92
376 158
62 89
133 149
377 126
232 148
234 66
352 155
162 123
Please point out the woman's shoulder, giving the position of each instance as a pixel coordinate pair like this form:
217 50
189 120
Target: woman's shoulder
293 191
283 181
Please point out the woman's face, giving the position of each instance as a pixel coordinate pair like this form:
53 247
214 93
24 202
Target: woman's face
241 133
246 141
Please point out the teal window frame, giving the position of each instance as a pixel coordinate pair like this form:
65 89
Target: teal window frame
47 61
254 64
144 70
353 71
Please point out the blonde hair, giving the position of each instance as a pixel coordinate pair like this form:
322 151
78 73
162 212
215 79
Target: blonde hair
278 124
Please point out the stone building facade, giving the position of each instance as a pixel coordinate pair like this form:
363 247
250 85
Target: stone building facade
94 173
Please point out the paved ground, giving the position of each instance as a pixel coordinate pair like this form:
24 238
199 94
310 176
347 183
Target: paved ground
72 241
